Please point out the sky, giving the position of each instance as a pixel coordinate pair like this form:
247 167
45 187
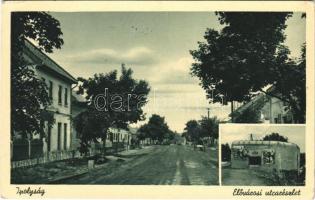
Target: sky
156 46
294 133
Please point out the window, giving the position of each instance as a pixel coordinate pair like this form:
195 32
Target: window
51 90
59 137
66 96
65 136
269 157
60 95
239 152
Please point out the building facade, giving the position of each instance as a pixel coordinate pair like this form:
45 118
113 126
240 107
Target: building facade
265 155
270 110
59 83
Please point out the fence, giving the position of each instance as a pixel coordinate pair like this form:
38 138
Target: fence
63 155
47 157
24 149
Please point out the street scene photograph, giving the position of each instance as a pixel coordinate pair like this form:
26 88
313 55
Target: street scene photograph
137 98
260 155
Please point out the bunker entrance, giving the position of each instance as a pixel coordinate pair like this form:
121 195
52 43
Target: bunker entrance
254 160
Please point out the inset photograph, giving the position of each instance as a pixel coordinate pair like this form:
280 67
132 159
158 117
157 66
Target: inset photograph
262 155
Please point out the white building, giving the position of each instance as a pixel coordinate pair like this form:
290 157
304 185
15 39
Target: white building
59 83
272 110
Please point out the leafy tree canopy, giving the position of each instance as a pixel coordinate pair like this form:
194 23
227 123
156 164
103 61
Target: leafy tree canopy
275 137
247 55
156 129
123 97
225 152
192 130
206 127
28 91
209 127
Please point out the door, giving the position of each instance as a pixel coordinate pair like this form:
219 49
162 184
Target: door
59 137
254 160
65 136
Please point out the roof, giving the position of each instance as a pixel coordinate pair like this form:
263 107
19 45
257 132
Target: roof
48 62
252 102
255 101
263 142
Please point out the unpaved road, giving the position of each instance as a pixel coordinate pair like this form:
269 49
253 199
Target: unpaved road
157 165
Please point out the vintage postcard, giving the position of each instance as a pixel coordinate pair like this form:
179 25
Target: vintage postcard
157 99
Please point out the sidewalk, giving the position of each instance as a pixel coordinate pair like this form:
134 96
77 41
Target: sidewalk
60 170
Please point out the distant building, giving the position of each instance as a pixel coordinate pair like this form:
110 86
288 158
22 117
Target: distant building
265 155
59 82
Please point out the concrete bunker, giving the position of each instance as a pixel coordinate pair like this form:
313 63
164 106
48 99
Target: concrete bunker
265 155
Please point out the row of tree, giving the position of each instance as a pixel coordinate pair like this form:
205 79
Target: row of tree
198 131
247 55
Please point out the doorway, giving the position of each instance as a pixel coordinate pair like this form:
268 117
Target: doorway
254 160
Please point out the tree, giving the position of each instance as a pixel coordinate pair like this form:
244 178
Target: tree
143 132
192 131
155 129
209 127
275 137
247 55
29 97
113 102
292 86
225 152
